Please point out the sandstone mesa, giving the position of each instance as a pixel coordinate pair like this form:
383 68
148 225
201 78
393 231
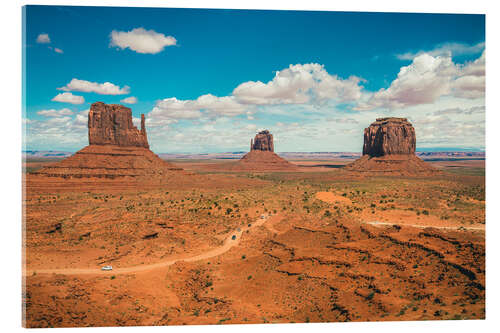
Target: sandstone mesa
262 156
116 149
389 149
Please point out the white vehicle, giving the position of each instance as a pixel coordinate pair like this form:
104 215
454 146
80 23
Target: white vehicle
107 268
263 216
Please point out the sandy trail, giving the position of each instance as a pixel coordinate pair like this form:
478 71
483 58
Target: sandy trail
376 223
331 198
226 246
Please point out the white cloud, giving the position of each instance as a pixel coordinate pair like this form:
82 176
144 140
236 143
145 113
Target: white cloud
43 39
298 84
428 78
106 88
206 105
58 50
57 133
55 113
68 97
446 49
472 81
129 100
457 110
141 40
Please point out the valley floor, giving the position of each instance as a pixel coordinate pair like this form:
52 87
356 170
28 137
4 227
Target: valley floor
315 245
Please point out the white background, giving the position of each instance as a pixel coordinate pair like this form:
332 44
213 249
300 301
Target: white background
10 112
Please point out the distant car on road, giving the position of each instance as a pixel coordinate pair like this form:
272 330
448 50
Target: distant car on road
107 268
234 237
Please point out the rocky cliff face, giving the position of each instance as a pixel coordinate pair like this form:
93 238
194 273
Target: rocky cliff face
111 124
263 141
389 136
389 149
262 156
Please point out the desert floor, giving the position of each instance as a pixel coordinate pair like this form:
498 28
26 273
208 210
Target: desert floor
215 247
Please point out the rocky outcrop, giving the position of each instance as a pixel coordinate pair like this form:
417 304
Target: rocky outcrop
262 156
117 149
111 124
263 141
389 149
389 136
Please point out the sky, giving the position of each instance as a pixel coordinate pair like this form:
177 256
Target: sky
209 80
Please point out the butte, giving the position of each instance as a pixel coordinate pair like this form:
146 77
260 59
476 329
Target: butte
389 149
262 156
116 150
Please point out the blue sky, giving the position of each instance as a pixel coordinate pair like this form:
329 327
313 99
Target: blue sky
207 80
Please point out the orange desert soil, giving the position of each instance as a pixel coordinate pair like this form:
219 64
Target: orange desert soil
332 246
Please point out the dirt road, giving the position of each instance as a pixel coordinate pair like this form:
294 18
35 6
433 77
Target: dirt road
423 226
226 246
331 198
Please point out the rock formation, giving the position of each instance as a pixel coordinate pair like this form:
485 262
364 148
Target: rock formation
111 124
263 141
389 148
389 136
116 149
262 156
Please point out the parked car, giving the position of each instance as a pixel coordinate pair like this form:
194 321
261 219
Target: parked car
107 268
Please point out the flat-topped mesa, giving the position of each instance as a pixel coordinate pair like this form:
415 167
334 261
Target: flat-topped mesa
262 157
389 136
111 124
263 141
117 149
389 149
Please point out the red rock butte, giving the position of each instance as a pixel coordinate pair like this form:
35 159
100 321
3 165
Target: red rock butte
389 148
112 125
116 149
262 156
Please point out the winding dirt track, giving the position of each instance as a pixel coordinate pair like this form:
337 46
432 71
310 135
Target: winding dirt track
424 226
226 246
331 198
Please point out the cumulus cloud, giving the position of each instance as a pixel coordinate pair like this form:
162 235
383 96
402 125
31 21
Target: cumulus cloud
344 120
141 40
55 113
461 111
43 39
58 50
423 81
206 105
428 78
129 100
68 97
446 49
56 133
298 84
106 88
471 82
